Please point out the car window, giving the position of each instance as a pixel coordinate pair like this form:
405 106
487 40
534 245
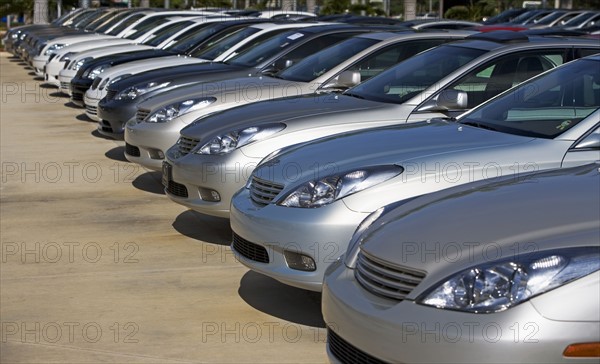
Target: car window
227 39
545 107
383 59
323 61
497 76
165 33
146 26
127 22
412 76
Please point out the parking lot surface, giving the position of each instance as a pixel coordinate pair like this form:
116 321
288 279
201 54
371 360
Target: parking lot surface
97 265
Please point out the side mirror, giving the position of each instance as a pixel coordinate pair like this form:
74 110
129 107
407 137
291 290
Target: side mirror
344 80
591 141
447 100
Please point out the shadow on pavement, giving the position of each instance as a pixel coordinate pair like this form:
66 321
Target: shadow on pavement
282 301
117 153
84 117
210 229
149 182
72 105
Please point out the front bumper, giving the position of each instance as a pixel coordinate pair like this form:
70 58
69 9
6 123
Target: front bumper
224 174
114 114
147 143
38 63
65 77
406 332
78 88
320 233
91 98
52 71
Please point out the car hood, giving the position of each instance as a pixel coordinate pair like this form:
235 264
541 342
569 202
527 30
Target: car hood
292 110
82 38
112 50
175 74
481 222
239 90
93 45
386 146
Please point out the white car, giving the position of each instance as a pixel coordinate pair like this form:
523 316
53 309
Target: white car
241 40
158 38
136 32
67 73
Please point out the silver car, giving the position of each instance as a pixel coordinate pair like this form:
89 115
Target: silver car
303 204
160 118
503 270
216 155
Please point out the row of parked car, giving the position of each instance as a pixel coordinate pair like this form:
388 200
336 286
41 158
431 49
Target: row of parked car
440 187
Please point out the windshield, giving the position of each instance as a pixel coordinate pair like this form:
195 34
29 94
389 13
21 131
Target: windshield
255 55
408 78
545 107
145 26
88 18
103 17
166 32
323 61
551 17
127 22
114 20
221 44
193 39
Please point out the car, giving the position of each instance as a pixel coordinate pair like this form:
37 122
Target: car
268 57
215 155
123 52
338 67
506 268
301 205
138 31
218 47
160 37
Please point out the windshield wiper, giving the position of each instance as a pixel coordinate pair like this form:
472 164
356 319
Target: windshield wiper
479 125
354 95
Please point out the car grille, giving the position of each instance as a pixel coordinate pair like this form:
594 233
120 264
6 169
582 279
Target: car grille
250 250
347 353
96 82
65 85
384 279
92 110
76 96
105 125
187 144
177 189
132 150
263 192
141 115
110 94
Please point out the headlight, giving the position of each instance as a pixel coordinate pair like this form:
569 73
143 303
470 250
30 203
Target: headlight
108 81
132 92
94 72
503 284
169 112
75 66
53 48
67 56
227 142
320 192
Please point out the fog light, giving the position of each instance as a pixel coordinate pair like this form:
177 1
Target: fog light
209 195
156 154
299 261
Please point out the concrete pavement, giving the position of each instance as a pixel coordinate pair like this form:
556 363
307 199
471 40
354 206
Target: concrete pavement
97 265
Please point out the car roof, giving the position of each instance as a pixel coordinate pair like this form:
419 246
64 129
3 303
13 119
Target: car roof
504 38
